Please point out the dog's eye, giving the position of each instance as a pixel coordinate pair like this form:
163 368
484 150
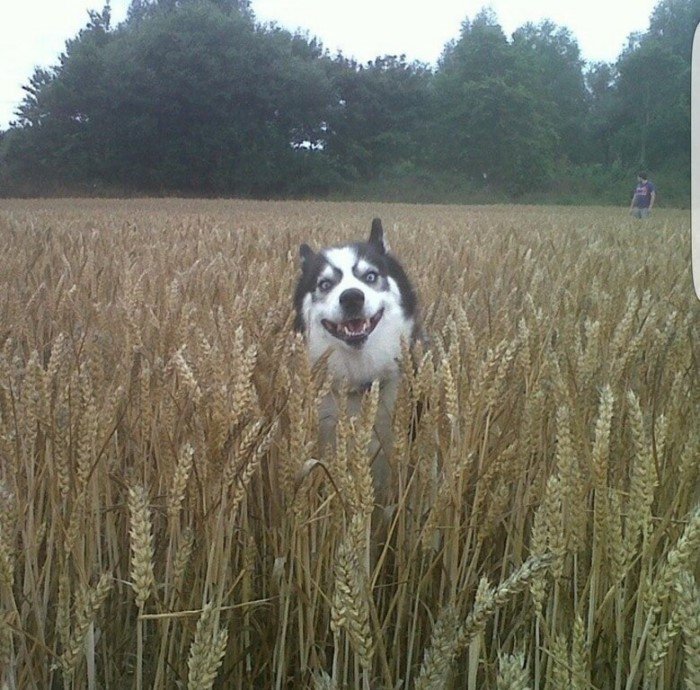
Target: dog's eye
371 277
325 285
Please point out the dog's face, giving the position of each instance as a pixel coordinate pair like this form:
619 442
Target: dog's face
356 301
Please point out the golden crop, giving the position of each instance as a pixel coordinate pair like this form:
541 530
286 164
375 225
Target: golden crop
166 519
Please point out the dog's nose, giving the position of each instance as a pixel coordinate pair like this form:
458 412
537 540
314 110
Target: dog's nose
352 299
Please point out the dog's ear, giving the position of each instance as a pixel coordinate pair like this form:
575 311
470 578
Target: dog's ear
376 236
305 255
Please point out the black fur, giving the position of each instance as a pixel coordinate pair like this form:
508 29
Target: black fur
311 266
376 235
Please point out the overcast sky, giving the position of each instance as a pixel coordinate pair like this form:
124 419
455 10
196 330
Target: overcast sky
33 32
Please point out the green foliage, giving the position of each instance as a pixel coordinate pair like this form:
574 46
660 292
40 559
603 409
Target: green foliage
209 102
194 97
653 105
673 23
552 69
488 125
381 116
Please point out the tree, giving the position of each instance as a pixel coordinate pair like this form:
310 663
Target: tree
379 118
190 98
600 82
673 23
653 105
53 140
195 97
142 9
651 113
551 63
488 124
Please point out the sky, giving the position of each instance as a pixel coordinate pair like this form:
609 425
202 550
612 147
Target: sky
33 32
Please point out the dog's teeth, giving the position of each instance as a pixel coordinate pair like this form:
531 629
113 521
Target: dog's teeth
362 329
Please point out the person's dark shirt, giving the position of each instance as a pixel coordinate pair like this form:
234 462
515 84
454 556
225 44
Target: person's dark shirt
642 194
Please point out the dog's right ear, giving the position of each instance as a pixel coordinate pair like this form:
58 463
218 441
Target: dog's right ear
305 255
376 236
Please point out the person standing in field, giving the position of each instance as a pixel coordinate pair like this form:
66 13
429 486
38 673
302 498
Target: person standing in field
643 197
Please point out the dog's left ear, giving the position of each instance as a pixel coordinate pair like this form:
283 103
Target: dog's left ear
305 255
376 236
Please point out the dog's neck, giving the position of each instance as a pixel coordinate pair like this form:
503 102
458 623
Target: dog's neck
366 387
357 389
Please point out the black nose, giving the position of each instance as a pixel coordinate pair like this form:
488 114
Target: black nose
352 300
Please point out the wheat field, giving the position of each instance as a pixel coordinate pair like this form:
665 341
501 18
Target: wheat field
168 521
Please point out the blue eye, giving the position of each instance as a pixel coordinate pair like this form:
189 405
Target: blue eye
325 285
371 277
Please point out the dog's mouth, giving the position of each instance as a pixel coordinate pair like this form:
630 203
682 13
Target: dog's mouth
353 331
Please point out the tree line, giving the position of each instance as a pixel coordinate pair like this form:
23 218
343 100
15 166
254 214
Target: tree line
195 97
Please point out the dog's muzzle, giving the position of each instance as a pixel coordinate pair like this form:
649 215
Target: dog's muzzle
355 330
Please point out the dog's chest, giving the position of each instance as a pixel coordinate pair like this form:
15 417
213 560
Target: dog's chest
382 438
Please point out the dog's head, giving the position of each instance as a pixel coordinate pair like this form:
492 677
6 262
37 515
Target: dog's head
355 299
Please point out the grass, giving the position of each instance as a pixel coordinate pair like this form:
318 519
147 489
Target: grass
167 520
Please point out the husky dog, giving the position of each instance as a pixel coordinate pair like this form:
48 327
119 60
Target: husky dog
356 301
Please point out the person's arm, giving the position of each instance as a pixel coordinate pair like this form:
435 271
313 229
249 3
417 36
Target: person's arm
652 199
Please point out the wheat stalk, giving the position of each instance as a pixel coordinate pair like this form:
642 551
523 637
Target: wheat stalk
437 662
689 608
89 600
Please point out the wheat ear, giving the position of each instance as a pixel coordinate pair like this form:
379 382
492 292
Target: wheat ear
689 603
142 578
512 673
88 603
207 650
